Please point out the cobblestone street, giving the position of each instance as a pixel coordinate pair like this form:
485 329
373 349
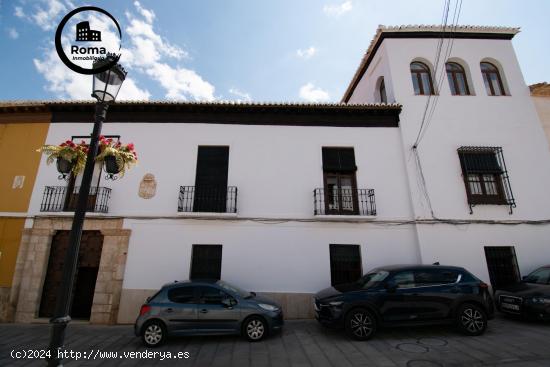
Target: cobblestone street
507 342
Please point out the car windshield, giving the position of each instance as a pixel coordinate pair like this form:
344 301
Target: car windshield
372 278
234 289
539 276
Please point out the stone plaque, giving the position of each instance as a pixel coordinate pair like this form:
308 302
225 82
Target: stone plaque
147 186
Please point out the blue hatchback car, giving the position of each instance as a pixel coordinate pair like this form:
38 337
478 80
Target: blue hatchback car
206 307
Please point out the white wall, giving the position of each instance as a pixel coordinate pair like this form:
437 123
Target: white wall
274 168
266 257
510 122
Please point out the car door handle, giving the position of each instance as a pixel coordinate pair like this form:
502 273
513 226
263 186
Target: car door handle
169 310
204 310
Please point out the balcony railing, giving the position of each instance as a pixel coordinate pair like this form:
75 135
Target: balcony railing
59 199
339 201
213 199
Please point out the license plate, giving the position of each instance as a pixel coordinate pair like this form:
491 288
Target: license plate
510 307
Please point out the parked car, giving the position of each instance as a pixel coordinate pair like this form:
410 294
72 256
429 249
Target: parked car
207 307
529 298
407 295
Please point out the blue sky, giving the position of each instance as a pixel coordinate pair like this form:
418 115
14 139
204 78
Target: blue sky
280 50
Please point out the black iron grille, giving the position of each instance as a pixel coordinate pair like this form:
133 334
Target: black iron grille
58 199
213 199
486 177
339 201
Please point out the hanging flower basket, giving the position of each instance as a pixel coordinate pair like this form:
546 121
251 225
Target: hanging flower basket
64 166
111 165
117 157
69 156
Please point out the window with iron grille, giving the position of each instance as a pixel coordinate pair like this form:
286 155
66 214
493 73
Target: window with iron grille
206 262
485 176
345 264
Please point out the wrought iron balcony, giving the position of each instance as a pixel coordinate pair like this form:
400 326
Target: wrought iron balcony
210 199
339 201
59 199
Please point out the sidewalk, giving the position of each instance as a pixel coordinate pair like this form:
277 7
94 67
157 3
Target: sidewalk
507 343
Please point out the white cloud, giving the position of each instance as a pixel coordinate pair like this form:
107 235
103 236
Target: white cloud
19 12
149 15
242 96
306 53
311 93
13 34
335 10
46 17
65 83
146 54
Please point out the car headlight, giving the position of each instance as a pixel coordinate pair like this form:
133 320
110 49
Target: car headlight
336 303
542 300
267 307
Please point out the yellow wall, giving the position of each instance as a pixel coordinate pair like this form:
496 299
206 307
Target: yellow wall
18 157
10 237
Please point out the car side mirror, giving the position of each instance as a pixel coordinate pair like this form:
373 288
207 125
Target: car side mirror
228 302
148 299
524 278
390 286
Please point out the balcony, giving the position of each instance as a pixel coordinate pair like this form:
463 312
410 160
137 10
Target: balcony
208 199
340 201
58 199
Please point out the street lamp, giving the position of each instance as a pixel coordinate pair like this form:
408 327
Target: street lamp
106 86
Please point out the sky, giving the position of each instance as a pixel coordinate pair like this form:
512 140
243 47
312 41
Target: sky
240 50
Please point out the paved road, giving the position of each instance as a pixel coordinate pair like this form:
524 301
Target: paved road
508 343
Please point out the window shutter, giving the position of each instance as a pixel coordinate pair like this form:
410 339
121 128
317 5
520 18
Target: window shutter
339 160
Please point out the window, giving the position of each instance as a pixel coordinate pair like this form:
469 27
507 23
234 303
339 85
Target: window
404 279
457 79
212 296
426 278
182 295
421 79
340 183
539 276
492 79
485 176
211 179
382 91
345 264
502 265
206 262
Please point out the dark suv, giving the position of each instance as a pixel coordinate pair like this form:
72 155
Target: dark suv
407 295
206 307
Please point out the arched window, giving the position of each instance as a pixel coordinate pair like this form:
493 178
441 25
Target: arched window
457 79
382 90
492 79
421 78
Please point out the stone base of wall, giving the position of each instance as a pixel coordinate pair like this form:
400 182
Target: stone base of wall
7 311
295 305
32 264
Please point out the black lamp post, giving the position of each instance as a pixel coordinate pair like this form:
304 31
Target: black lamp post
106 86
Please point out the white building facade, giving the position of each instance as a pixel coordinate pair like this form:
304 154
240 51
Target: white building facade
289 199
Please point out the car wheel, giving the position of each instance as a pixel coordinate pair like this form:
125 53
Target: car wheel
360 324
154 334
471 319
255 329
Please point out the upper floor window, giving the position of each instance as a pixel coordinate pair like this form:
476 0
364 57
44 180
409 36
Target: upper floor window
340 181
421 79
492 79
485 176
457 79
382 91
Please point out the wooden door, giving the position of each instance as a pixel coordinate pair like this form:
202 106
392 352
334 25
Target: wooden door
211 179
89 257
